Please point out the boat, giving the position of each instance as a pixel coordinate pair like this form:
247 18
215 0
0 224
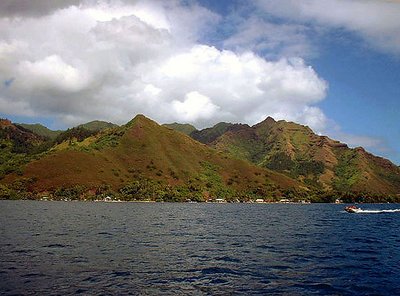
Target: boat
352 209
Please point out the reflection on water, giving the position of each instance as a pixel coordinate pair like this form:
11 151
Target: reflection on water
201 249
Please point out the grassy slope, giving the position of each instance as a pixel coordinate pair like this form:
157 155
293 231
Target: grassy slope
208 135
17 146
142 148
97 125
362 171
41 130
50 134
187 129
317 160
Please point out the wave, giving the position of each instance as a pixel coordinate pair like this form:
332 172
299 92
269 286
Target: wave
360 211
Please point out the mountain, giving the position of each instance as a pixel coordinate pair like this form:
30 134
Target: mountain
187 129
143 160
17 146
298 152
208 135
97 125
21 139
93 126
83 131
40 130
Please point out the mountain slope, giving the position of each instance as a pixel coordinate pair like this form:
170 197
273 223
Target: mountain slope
187 129
21 139
319 161
17 146
208 135
97 125
145 152
40 130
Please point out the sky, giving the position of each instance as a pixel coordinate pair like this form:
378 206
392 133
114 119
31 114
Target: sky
333 65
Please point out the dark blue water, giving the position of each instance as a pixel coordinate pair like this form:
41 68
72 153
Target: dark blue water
196 249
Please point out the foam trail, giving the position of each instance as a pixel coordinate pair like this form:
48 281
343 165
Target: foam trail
360 211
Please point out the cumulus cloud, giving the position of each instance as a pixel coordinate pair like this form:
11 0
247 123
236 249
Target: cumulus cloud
32 8
376 21
111 60
242 82
50 73
194 107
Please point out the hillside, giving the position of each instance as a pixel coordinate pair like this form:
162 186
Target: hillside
187 129
145 160
208 135
97 125
40 130
17 146
318 161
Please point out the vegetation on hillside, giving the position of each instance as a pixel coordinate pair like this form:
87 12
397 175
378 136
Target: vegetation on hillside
187 129
97 125
18 146
208 135
142 160
40 130
317 161
145 161
77 133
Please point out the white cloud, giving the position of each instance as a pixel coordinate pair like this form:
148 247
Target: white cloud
273 40
15 108
110 61
376 21
245 87
32 8
194 107
51 73
314 117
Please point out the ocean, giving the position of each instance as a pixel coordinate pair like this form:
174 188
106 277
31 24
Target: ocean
96 248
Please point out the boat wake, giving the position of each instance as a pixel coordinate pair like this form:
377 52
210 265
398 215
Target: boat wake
360 211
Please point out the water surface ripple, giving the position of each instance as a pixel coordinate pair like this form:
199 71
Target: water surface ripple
63 248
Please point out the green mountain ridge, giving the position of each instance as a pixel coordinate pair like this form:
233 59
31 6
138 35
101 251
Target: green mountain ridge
208 135
17 147
97 125
185 128
143 160
41 130
298 152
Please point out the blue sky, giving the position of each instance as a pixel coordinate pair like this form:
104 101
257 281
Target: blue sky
331 64
363 96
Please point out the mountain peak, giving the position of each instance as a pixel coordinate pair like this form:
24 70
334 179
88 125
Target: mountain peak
97 125
5 122
181 127
208 135
140 119
269 119
266 122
